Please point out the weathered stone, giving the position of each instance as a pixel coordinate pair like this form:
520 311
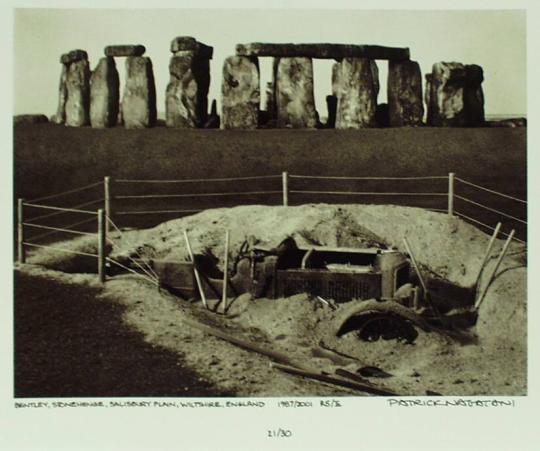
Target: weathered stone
139 99
188 43
456 98
474 96
382 117
60 116
294 93
73 56
375 76
357 99
271 110
186 102
104 94
331 105
124 50
30 119
427 99
240 93
78 93
405 103
332 51
335 80
213 120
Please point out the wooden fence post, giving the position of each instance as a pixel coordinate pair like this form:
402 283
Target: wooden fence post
451 193
285 183
225 271
107 196
20 231
102 238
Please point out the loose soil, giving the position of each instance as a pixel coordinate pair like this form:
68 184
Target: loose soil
491 362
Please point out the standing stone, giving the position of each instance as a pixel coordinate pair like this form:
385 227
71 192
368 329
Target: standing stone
405 103
214 119
104 94
294 93
375 75
474 96
331 105
427 99
139 100
456 98
357 93
78 93
186 101
60 116
240 93
335 79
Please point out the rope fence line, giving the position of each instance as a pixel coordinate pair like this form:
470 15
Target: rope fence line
487 226
146 212
433 177
229 179
153 274
74 224
491 191
107 213
61 249
490 209
365 193
127 268
49 207
64 193
166 196
57 229
56 213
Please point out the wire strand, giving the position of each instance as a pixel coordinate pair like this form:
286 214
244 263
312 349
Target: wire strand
434 177
168 196
145 212
490 209
75 224
63 193
57 229
143 260
229 179
366 193
60 249
491 191
48 215
486 225
132 271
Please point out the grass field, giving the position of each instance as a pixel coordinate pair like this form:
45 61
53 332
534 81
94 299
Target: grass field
50 158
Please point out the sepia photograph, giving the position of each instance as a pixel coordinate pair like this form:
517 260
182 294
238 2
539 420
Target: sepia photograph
242 205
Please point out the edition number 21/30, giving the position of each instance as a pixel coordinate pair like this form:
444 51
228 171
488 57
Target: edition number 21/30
279 433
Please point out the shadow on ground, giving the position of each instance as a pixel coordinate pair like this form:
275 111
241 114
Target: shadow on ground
68 344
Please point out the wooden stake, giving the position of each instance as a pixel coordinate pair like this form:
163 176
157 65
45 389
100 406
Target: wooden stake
415 266
225 271
107 197
355 385
451 193
488 251
195 270
497 264
20 231
102 233
285 183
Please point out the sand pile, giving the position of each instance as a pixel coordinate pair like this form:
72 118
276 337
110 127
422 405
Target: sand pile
304 329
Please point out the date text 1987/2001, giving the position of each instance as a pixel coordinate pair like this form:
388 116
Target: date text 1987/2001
279 433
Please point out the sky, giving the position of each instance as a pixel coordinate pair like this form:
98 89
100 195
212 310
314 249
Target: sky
495 40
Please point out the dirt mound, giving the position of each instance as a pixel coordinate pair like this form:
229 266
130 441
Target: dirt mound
306 330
